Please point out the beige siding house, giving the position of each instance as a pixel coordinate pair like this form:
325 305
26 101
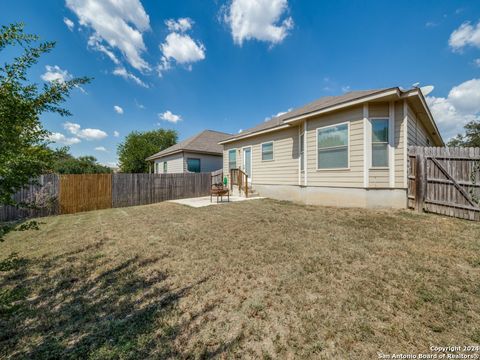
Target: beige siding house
199 153
348 150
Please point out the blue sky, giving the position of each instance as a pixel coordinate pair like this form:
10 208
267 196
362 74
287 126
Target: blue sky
228 65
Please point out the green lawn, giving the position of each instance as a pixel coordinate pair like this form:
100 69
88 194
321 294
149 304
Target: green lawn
251 279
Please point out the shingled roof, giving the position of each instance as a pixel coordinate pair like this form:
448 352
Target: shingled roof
204 142
320 104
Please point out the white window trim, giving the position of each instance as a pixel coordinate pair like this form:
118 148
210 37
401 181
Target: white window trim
228 159
163 167
273 150
251 160
305 150
348 146
299 155
366 148
370 143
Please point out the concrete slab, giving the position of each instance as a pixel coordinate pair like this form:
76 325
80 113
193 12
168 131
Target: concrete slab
205 201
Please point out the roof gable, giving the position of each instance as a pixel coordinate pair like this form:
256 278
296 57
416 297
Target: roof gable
204 142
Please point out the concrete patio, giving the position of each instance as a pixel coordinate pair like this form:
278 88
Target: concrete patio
205 201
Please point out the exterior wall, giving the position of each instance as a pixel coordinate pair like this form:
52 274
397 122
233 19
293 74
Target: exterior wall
352 177
208 163
283 169
341 197
417 134
174 164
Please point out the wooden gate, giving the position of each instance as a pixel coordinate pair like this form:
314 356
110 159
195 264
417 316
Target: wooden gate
85 192
445 181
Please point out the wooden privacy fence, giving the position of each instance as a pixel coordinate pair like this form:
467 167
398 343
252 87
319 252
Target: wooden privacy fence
67 194
445 181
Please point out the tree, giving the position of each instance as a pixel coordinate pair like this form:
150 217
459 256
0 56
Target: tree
65 163
137 146
23 140
471 138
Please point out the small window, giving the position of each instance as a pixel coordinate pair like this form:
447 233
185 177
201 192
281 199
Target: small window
165 167
267 151
380 143
332 145
157 168
193 165
232 159
302 152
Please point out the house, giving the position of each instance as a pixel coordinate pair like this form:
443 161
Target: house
199 153
348 150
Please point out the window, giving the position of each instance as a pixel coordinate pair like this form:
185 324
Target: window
379 142
165 167
156 168
193 165
267 151
232 159
332 146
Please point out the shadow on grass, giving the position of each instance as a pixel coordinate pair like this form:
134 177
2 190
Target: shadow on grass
64 307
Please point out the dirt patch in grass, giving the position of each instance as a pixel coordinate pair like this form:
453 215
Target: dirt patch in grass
252 279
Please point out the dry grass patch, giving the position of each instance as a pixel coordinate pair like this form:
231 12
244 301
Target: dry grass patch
252 279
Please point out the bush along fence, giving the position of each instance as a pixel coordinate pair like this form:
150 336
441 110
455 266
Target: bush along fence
445 181
67 194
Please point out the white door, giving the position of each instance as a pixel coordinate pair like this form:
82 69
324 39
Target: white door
247 162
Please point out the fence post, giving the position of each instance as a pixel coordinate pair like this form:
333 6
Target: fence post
420 179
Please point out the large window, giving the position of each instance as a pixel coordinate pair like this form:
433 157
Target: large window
332 145
193 165
232 159
165 167
267 151
379 142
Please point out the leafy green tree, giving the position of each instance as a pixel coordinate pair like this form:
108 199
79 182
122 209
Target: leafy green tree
137 146
471 138
23 141
65 163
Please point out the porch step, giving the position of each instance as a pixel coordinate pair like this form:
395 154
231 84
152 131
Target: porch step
251 192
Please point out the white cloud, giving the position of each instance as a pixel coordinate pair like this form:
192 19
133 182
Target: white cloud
122 72
100 148
140 106
180 25
116 133
262 20
95 42
476 62
117 24
466 35
118 109
278 114
62 139
180 47
55 73
70 24
87 134
460 106
170 117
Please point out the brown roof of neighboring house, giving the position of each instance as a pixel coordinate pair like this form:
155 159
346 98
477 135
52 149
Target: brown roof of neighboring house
322 103
204 142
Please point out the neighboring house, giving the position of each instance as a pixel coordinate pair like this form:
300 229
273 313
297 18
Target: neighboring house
199 153
348 150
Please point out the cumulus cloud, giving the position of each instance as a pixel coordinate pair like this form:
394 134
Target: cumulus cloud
116 133
118 109
263 20
55 73
180 25
169 116
101 148
278 114
179 47
87 134
62 139
466 35
461 106
122 72
70 24
116 24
